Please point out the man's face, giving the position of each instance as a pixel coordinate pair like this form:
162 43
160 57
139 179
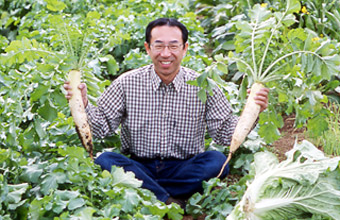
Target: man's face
166 50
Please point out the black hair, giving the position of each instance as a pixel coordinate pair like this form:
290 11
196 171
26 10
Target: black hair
171 22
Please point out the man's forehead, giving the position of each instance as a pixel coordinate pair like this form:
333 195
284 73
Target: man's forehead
166 33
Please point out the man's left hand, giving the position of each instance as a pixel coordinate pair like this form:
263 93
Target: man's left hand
261 98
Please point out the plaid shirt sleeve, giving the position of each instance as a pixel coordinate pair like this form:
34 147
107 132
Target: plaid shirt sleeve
106 118
220 120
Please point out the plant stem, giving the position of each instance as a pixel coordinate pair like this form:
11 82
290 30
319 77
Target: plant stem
83 52
255 74
37 50
263 76
68 40
246 64
271 76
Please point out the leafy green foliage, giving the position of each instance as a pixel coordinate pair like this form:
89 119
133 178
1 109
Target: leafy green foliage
217 200
267 55
71 185
329 139
321 17
270 49
43 174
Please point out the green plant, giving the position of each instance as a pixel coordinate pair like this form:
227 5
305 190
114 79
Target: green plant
268 49
329 139
216 201
42 170
321 16
71 186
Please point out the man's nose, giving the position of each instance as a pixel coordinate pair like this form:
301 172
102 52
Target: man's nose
165 52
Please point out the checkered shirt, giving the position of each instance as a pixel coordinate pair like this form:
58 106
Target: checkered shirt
158 120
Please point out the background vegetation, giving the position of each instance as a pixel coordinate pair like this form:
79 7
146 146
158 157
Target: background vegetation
45 173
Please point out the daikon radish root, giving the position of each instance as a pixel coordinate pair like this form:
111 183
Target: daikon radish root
78 112
245 123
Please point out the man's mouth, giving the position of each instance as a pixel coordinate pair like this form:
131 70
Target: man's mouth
165 62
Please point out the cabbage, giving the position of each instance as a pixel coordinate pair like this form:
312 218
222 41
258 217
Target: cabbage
305 185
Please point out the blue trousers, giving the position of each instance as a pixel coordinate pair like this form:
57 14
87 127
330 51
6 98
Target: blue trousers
165 178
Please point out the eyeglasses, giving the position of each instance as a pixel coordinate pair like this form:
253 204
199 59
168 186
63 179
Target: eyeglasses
173 47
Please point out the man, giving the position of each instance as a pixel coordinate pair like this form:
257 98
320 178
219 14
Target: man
163 122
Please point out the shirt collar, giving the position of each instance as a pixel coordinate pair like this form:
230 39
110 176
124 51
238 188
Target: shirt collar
178 81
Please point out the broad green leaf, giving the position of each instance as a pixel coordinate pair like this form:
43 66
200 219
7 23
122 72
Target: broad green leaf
39 92
155 208
37 209
39 129
58 98
85 213
317 125
130 199
175 212
122 178
51 181
228 45
201 80
216 78
32 173
76 203
289 20
106 174
293 6
192 82
269 132
55 5
202 95
48 111
297 33
93 15
112 64
259 15
244 26
15 192
314 96
111 211
222 67
77 152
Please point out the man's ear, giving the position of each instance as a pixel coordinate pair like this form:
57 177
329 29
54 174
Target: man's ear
147 47
186 48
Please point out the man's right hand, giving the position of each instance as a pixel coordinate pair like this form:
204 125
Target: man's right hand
82 87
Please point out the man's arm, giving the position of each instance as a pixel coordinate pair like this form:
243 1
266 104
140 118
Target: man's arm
107 115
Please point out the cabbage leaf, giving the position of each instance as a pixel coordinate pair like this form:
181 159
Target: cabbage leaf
305 185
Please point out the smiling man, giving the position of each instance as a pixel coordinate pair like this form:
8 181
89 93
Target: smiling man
163 122
166 46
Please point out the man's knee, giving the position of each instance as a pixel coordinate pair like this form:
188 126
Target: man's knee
214 163
108 159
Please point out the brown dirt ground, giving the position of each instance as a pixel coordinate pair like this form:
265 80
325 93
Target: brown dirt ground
289 136
279 147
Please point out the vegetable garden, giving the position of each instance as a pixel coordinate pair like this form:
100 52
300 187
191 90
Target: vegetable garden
292 47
